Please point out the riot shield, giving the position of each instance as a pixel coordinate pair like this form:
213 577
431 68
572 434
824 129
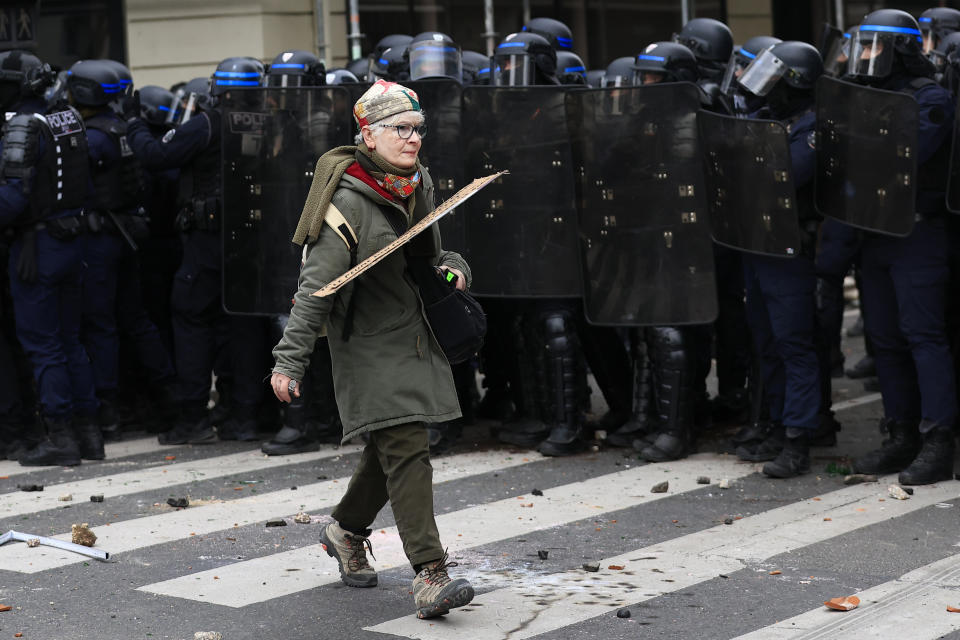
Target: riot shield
953 182
645 241
522 230
750 188
866 156
440 152
271 140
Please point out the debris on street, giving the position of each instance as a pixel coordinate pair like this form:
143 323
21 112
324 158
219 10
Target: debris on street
703 480
30 487
848 603
537 492
896 491
276 523
66 498
302 518
543 553
97 498
623 613
724 483
660 487
81 534
10 536
208 635
858 478
592 567
178 503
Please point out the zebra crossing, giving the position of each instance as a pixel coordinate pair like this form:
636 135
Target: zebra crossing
754 560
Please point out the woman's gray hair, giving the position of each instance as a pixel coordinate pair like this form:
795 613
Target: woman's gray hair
380 126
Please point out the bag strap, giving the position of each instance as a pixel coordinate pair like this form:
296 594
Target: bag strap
338 223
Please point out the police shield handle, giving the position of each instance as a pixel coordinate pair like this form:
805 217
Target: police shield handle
455 200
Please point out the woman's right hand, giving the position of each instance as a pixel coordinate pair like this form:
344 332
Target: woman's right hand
282 386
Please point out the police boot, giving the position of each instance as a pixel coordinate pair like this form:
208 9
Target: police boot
639 424
443 435
165 401
750 435
566 377
526 429
17 437
59 448
496 405
935 460
793 459
89 438
896 452
767 449
866 367
730 407
193 427
107 418
241 425
825 434
295 436
673 374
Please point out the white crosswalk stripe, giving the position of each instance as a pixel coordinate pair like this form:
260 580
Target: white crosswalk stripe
242 583
162 475
142 532
916 601
681 562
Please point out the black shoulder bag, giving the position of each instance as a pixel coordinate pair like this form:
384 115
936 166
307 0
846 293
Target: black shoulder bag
457 319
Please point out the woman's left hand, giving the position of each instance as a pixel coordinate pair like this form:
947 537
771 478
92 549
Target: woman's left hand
461 281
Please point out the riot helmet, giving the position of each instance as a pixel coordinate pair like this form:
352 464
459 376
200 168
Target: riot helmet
341 76
295 69
358 68
524 59
570 68
797 64
595 78
884 39
946 47
435 55
473 63
22 75
394 40
710 41
836 58
236 73
619 73
189 99
155 103
392 65
124 75
665 62
556 33
743 56
936 24
93 83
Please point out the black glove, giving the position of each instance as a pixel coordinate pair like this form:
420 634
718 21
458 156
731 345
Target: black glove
131 106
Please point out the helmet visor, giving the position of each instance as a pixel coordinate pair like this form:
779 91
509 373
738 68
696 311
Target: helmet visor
617 80
514 70
763 73
872 51
435 60
837 55
284 80
739 60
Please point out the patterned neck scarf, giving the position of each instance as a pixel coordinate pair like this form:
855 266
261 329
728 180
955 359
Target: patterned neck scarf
390 176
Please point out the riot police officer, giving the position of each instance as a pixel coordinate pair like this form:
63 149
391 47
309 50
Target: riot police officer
936 24
712 44
112 295
476 68
904 279
556 33
200 324
432 54
781 306
742 56
570 69
45 183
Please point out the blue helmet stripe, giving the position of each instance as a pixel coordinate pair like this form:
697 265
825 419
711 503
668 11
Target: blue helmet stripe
430 48
161 107
505 45
747 54
237 83
566 43
926 19
882 28
288 65
580 69
644 56
236 74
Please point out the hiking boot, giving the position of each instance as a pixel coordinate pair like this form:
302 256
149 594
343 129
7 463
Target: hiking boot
768 449
935 460
896 452
350 552
793 459
59 448
435 593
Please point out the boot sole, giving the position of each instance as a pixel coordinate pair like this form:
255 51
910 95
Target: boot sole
778 473
918 482
461 597
347 580
554 450
271 449
59 462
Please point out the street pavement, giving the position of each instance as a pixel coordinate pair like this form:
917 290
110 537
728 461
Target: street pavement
755 560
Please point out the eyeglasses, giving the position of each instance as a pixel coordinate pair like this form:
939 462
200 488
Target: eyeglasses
404 131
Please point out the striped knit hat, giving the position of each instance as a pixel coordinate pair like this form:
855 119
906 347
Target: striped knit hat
382 100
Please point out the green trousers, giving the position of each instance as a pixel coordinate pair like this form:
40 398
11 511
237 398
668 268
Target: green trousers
395 466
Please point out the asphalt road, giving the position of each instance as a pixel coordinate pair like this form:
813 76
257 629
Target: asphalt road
669 558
